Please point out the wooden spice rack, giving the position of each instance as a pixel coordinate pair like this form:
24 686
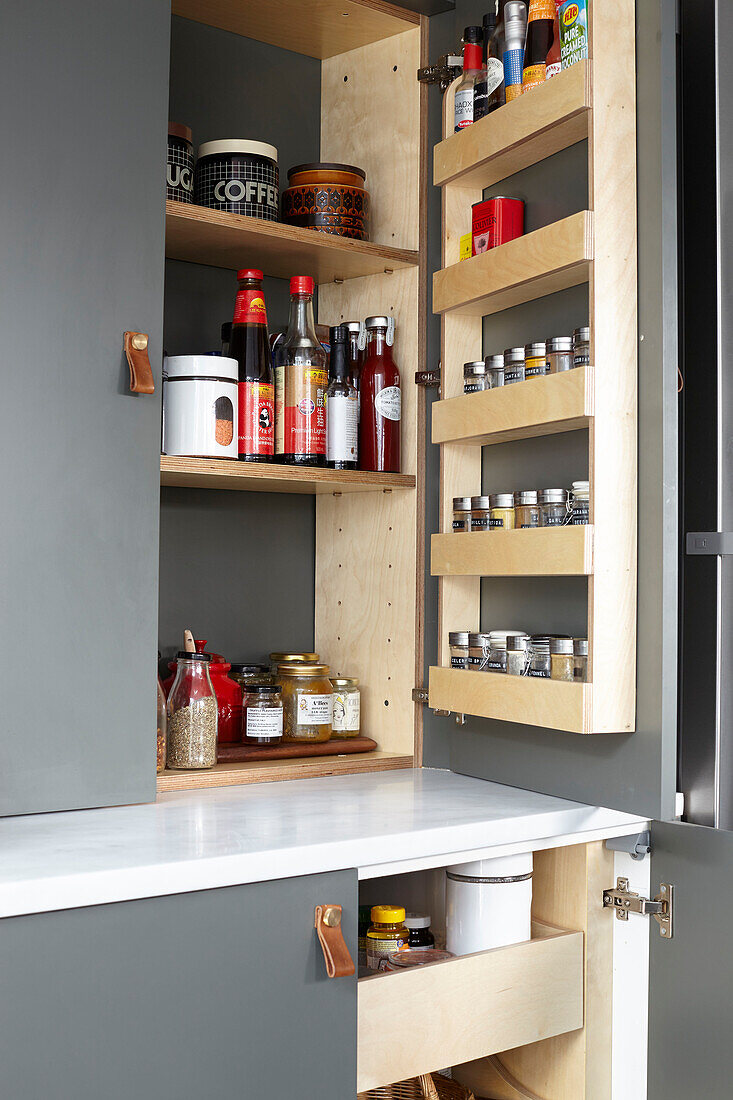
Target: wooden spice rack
593 100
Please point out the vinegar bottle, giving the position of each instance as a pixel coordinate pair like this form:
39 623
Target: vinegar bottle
381 402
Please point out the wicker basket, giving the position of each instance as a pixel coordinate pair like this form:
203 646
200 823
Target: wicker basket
431 1086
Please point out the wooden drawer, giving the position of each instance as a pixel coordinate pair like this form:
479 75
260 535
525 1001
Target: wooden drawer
466 1008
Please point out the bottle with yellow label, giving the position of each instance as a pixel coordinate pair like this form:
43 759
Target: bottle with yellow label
540 33
386 936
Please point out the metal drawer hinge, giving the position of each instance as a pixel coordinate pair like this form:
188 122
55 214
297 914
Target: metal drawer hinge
625 901
420 695
443 72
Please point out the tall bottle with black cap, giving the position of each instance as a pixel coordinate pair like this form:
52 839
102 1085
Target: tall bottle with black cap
492 73
472 62
342 421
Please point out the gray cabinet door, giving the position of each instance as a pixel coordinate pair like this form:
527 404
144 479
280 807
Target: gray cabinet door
217 994
84 97
691 976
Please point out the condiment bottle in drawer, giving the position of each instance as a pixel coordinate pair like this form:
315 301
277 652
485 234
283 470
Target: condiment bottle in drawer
386 936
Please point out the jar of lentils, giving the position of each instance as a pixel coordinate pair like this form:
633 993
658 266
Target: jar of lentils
502 511
458 642
562 662
494 370
554 508
560 354
480 514
461 514
526 509
474 377
535 360
513 366
581 347
479 647
580 503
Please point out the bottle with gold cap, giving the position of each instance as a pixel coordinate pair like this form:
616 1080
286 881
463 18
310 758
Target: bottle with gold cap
386 936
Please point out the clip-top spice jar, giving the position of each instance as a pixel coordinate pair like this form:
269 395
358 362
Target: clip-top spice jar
307 702
346 707
560 354
501 511
517 655
526 509
554 510
262 714
494 370
458 643
479 648
580 503
461 514
513 366
535 360
474 377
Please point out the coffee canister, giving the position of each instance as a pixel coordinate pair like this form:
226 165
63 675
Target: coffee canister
238 176
488 903
200 406
179 169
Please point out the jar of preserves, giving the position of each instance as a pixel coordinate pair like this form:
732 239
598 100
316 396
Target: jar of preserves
494 371
458 642
517 655
307 695
474 377
461 514
580 660
501 511
386 936
560 354
262 714
479 648
535 360
480 514
526 509
346 707
277 659
554 508
562 663
580 503
192 714
581 347
513 366
539 657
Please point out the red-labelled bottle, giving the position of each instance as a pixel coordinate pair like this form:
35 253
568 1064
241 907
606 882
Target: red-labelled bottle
381 402
250 346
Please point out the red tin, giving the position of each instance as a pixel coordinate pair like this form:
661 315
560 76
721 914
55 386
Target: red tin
496 221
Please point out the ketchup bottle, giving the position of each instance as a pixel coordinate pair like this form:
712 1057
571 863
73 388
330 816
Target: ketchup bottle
381 402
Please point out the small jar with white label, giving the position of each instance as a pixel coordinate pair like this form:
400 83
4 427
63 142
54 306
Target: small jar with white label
346 707
307 702
474 377
458 642
262 714
581 347
513 366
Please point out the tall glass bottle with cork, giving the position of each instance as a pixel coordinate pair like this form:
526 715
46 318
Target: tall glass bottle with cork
301 380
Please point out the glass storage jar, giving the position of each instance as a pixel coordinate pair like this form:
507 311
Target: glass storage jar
479 647
245 675
539 657
497 652
580 503
502 511
162 725
513 366
526 509
192 714
494 371
346 707
581 347
561 659
461 514
535 360
474 377
277 659
517 656
554 509
480 514
580 660
560 354
262 714
307 701
458 642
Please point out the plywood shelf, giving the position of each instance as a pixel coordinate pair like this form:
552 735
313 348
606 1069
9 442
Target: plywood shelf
505 998
539 406
320 28
267 771
223 473
218 239
533 702
519 134
550 259
532 552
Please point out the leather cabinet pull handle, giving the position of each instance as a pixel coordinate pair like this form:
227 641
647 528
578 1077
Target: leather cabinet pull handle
141 374
339 963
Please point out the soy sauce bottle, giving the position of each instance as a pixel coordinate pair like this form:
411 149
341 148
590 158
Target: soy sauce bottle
249 344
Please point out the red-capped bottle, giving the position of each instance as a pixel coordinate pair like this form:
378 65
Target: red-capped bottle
301 381
250 346
381 402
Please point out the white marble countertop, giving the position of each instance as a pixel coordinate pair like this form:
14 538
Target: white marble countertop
380 823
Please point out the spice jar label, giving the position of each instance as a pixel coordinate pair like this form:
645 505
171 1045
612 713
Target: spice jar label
264 723
388 402
315 710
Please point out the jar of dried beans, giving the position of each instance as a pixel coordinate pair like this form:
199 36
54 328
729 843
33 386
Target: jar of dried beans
192 714
307 701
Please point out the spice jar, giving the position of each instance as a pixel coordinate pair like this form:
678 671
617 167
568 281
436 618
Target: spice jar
386 936
513 365
539 657
497 652
461 514
479 647
581 347
480 514
580 660
162 723
526 509
245 675
192 715
277 659
517 656
307 701
554 510
535 360
418 925
580 503
560 354
494 370
501 511
458 642
562 663
474 377
262 714
346 707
